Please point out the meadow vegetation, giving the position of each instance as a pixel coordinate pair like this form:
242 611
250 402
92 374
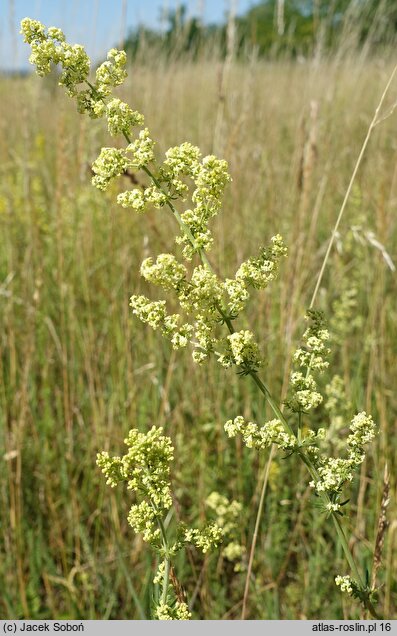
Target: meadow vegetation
78 372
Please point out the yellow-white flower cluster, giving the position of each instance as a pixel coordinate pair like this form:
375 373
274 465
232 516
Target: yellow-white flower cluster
177 612
210 177
145 468
242 350
206 539
166 272
261 437
139 200
256 273
111 73
305 394
202 299
95 99
49 47
362 431
334 472
345 583
110 163
142 519
228 517
206 299
312 355
113 162
154 313
141 150
237 295
260 271
121 118
199 298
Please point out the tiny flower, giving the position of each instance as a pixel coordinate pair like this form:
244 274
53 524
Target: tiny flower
211 179
333 506
345 583
334 472
75 67
160 573
228 512
155 314
140 200
142 519
155 197
88 103
203 292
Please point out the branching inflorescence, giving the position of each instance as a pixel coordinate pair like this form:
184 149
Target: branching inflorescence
146 470
209 307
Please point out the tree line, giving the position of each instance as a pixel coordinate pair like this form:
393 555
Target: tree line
273 28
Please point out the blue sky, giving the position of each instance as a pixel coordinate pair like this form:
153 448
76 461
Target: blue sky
98 24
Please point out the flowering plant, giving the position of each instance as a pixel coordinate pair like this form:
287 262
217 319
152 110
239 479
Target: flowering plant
209 307
145 469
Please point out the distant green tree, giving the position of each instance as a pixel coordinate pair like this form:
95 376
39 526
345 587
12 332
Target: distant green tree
276 27
295 26
183 35
378 20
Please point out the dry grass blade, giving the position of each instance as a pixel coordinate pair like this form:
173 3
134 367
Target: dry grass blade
256 532
179 591
382 527
350 186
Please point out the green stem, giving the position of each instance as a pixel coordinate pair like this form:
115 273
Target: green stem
166 581
299 435
345 546
167 560
272 403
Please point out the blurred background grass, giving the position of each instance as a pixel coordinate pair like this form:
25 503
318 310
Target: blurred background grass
77 371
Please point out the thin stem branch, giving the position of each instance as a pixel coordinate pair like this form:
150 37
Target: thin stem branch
167 560
166 581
